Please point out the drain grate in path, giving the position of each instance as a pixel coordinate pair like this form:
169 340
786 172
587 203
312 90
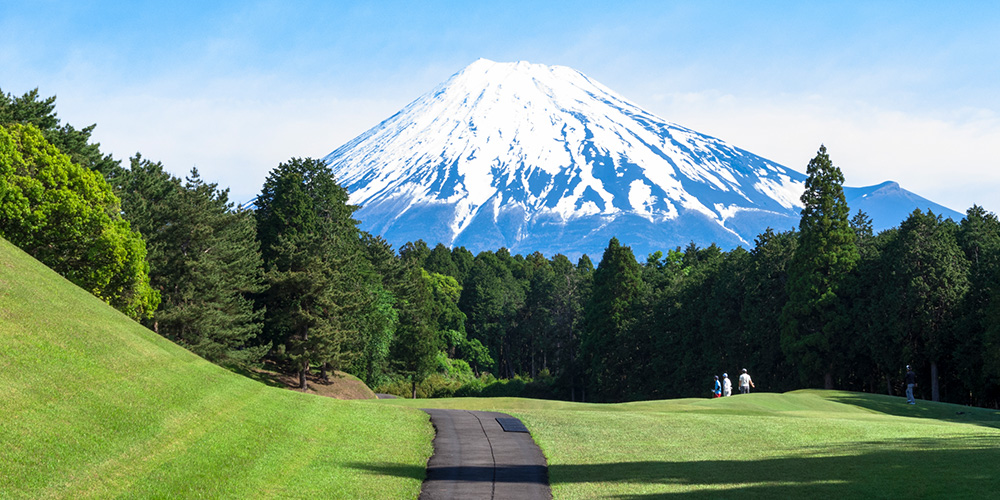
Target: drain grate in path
511 424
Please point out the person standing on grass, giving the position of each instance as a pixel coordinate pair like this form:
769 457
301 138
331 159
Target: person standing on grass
727 386
717 392
911 382
745 382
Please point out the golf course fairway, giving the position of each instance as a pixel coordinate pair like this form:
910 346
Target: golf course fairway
803 444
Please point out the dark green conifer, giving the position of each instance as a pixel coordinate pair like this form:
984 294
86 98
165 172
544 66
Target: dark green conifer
813 321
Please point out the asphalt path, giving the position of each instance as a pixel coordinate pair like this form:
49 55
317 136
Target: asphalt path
474 457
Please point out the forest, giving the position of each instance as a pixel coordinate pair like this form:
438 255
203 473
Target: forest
292 284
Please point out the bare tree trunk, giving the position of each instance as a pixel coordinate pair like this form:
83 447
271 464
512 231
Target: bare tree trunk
888 385
302 375
935 388
828 380
414 386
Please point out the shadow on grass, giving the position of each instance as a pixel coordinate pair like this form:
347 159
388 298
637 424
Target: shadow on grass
894 405
919 468
266 378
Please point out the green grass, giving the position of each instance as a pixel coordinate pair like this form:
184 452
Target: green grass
803 444
94 405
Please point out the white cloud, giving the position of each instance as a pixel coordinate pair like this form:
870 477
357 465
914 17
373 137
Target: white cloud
234 134
947 158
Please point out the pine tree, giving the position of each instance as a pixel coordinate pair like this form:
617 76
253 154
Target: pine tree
813 321
204 260
311 249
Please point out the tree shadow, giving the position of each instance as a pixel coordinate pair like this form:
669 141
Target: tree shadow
961 467
890 469
391 469
267 378
897 406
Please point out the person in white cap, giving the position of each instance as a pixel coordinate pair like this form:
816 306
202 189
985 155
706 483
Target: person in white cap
745 382
727 386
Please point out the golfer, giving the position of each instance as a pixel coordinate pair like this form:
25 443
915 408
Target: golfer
745 382
911 382
727 386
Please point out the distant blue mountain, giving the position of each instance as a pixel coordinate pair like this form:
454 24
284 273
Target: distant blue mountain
888 204
539 158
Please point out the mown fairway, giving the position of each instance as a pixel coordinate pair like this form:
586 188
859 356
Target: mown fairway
94 405
805 444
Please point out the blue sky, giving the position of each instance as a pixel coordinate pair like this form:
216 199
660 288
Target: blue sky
904 91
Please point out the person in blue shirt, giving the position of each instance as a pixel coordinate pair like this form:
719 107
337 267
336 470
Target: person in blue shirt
717 392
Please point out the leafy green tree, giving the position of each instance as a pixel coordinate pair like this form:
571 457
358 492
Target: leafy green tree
813 321
67 217
449 322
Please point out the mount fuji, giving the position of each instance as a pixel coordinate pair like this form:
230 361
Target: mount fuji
542 158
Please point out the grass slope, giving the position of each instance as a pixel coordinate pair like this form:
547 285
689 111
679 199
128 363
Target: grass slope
94 405
803 444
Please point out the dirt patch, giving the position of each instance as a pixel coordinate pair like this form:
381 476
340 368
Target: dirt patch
340 386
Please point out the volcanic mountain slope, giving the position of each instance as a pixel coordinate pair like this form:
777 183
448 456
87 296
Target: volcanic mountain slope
533 157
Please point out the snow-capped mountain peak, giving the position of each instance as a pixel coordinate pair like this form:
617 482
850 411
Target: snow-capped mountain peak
553 146
535 157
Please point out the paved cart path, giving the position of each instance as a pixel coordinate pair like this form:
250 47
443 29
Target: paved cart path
474 457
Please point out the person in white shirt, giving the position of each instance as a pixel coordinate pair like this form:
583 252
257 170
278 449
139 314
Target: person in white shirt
727 386
745 382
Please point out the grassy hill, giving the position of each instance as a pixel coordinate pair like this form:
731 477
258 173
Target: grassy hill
94 405
803 444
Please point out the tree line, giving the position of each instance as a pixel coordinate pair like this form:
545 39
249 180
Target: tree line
293 283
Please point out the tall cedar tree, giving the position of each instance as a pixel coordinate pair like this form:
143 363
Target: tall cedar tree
813 322
68 217
934 278
607 346
310 246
